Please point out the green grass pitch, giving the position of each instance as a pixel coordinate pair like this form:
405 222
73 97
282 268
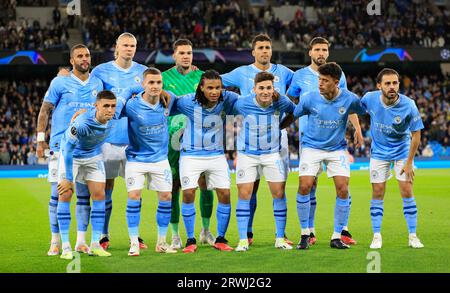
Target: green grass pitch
25 232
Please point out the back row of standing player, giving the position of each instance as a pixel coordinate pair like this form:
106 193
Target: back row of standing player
124 70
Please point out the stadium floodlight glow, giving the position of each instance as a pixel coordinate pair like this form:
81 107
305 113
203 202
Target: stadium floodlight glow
33 56
363 56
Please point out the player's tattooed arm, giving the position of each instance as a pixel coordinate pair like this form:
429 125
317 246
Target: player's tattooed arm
287 120
359 139
408 168
42 123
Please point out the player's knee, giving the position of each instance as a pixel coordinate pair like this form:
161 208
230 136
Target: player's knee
278 193
377 196
134 195
98 194
66 196
406 193
304 189
342 191
244 192
188 195
378 192
223 195
165 196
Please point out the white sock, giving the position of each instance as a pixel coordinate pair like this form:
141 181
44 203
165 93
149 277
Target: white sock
104 235
56 237
306 231
377 234
134 239
161 238
336 236
66 246
81 236
345 228
412 235
312 230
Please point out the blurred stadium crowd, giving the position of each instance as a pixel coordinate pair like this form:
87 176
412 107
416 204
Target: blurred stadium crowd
224 24
20 102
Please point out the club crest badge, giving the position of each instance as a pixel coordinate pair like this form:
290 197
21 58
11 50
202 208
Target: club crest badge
130 181
185 180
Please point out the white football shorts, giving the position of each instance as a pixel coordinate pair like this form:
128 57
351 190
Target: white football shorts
336 162
380 171
271 165
215 168
159 176
89 169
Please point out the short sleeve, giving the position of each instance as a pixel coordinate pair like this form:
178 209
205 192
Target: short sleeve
343 81
230 98
232 78
415 123
286 105
294 89
357 106
54 91
303 107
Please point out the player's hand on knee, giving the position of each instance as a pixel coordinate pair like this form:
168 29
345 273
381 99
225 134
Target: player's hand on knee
78 113
408 169
64 187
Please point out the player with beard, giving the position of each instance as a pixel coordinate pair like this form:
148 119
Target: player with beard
65 96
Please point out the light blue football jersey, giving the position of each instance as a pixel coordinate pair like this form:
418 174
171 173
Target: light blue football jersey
147 130
117 79
307 80
260 133
327 120
391 126
83 139
68 94
243 77
204 131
